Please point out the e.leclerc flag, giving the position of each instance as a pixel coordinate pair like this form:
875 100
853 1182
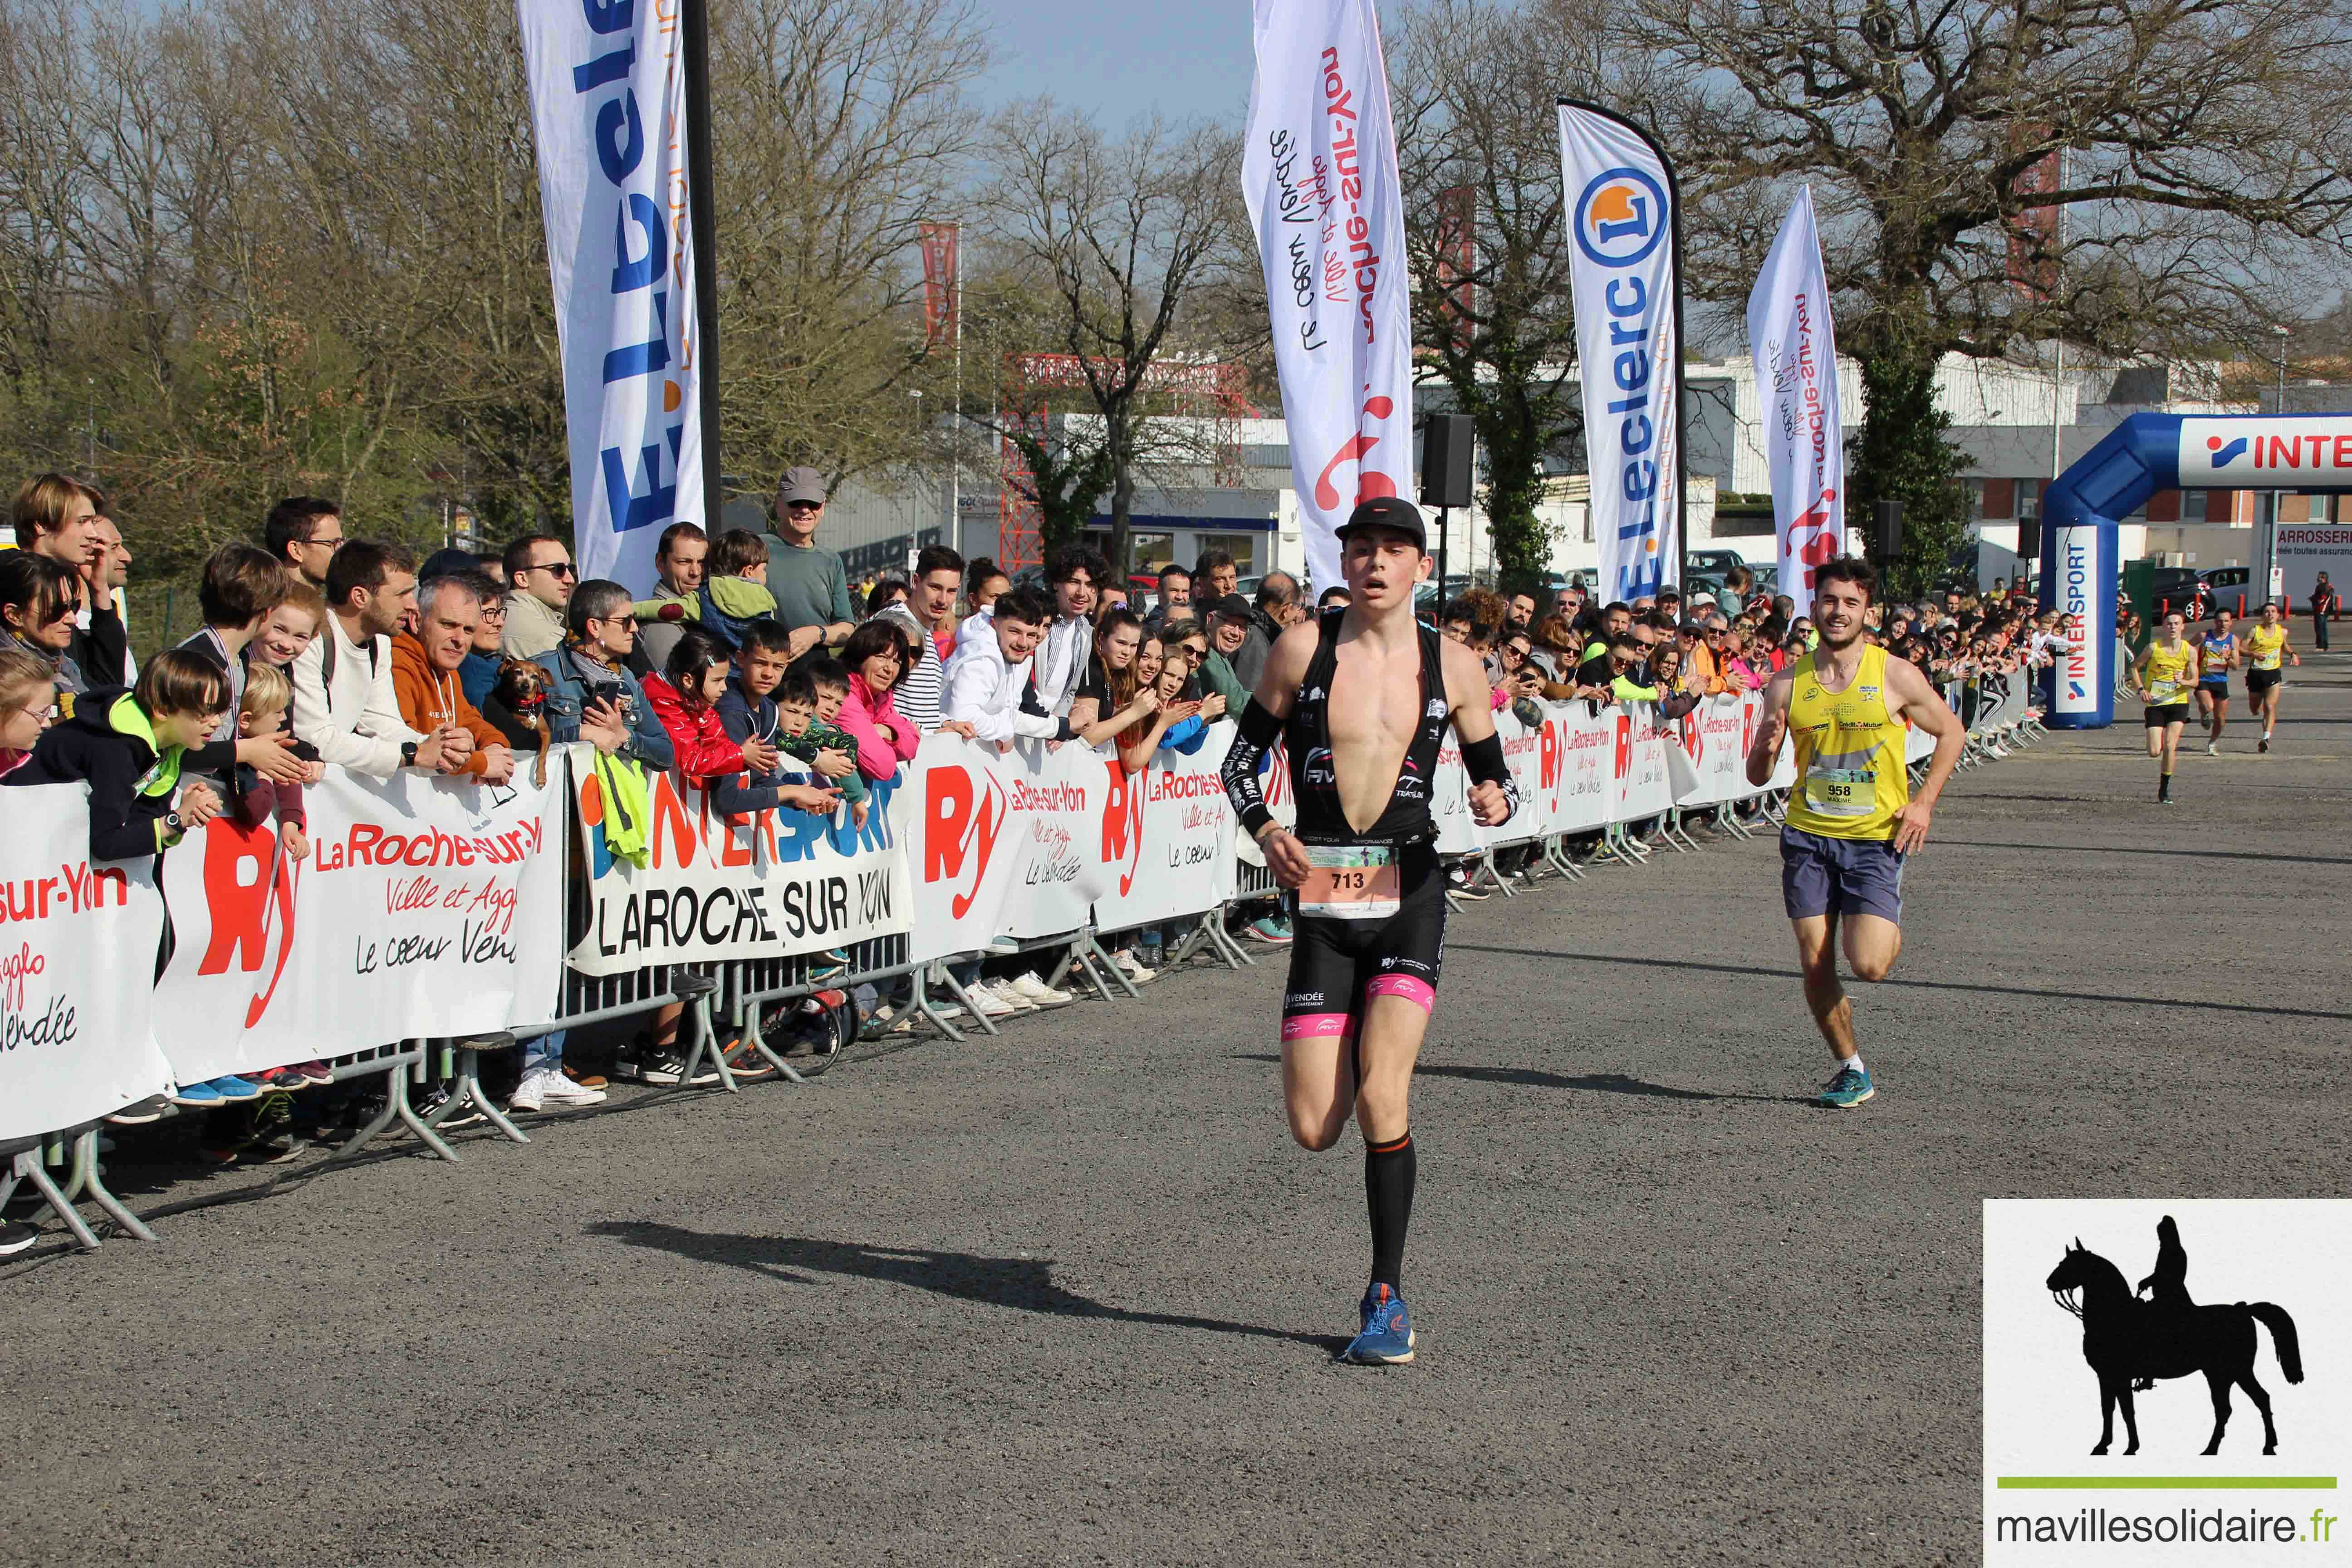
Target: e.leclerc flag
1319 172
608 112
1624 280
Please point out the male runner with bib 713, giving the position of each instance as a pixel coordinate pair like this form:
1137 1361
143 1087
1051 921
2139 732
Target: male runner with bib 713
1363 695
1851 817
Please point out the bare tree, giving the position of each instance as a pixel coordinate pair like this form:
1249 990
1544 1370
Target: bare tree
837 127
1475 87
2203 146
1113 237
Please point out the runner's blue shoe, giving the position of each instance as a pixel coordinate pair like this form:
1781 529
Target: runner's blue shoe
1846 1090
1386 1339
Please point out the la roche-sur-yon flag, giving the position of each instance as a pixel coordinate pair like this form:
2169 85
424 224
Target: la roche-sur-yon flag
1789 334
608 112
1319 172
1625 279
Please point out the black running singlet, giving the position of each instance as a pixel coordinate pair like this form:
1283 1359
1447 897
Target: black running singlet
1315 781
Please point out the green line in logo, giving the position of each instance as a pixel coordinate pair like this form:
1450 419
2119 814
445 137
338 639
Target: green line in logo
2166 1483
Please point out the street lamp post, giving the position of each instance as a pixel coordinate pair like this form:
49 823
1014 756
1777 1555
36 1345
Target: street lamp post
2266 552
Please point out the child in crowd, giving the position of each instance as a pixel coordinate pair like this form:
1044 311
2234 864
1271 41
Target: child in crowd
28 705
809 732
748 711
735 593
684 698
264 708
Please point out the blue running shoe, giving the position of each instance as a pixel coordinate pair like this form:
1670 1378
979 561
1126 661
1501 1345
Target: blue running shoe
202 1094
1386 1339
1846 1090
231 1087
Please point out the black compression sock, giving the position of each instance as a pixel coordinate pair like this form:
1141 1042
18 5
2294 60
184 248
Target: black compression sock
1388 1172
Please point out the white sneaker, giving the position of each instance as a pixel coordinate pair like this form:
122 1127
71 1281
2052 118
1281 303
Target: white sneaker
990 1004
556 1089
1012 996
948 1010
2211 750
530 1094
1133 967
1038 993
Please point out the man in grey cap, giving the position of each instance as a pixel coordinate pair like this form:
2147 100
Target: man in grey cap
811 588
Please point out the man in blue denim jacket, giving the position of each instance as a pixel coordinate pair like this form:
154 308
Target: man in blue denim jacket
591 695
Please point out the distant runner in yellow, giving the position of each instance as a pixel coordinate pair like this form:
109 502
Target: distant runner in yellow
2266 646
1851 817
2166 673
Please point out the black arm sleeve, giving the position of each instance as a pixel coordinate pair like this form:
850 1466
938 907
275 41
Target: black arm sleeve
1484 759
1257 729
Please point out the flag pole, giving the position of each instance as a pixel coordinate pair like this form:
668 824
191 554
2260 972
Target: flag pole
694 20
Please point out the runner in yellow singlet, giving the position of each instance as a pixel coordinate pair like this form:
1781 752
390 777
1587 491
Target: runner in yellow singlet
2166 673
2267 647
1852 817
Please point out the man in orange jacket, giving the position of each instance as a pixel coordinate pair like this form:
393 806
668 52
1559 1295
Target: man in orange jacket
424 679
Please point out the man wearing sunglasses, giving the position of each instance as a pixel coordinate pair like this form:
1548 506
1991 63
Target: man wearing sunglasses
812 590
539 569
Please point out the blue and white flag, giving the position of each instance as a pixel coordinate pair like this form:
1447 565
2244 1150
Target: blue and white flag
608 111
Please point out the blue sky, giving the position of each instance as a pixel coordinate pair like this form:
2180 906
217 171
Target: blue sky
1119 58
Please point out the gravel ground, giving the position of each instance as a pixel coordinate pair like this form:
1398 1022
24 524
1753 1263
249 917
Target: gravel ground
1071 1296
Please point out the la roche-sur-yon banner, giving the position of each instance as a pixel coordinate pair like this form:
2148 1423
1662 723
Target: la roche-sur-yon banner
608 113
713 887
1319 174
1625 280
427 908
76 948
1795 345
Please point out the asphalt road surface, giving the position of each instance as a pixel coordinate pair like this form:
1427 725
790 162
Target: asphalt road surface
1072 1296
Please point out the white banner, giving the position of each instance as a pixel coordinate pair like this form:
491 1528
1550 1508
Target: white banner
1011 842
1168 837
426 908
1715 738
1623 277
1789 333
1319 173
764 885
76 952
608 112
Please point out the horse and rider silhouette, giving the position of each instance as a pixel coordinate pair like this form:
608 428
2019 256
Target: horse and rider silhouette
2131 1342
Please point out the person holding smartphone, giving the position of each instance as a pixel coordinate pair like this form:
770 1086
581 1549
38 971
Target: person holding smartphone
591 695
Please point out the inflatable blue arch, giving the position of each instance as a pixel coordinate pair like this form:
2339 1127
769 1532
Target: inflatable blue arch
2145 453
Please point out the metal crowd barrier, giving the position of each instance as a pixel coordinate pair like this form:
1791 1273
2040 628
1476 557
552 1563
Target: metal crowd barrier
723 997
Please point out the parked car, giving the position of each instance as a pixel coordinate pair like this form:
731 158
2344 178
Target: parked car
2229 588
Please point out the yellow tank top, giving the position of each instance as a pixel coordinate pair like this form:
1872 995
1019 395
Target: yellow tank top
1850 777
2171 675
2262 645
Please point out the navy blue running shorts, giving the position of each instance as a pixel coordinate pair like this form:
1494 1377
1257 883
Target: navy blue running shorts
1824 876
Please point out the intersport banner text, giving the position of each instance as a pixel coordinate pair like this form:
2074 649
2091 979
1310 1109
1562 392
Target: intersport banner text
77 941
1624 279
1319 173
608 112
1789 334
761 885
427 908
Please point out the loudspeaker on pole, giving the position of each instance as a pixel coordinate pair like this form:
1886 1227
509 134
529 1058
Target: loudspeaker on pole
1446 442
1888 516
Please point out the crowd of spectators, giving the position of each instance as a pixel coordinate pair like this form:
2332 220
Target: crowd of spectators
762 672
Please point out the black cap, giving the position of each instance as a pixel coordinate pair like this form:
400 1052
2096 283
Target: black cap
1387 511
1232 606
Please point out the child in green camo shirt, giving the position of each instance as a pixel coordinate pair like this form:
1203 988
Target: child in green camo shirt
804 732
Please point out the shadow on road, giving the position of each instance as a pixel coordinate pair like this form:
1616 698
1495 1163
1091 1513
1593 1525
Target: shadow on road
1943 843
1025 1284
1648 962
1536 1078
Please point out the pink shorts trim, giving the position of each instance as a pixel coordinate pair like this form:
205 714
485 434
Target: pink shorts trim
1318 1026
1420 992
